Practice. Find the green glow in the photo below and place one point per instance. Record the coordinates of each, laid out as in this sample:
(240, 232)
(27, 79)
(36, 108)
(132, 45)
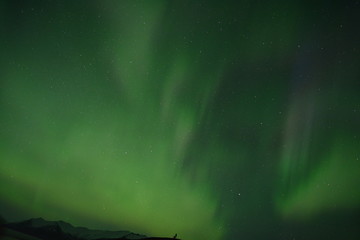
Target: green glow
(115, 162)
(209, 119)
(332, 187)
(329, 186)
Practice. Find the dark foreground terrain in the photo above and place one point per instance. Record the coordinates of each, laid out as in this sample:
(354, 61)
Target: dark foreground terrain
(40, 229)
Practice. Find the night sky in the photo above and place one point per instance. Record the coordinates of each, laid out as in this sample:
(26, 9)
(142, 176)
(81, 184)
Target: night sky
(210, 119)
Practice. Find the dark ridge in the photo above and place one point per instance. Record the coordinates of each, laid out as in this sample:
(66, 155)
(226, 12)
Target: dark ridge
(60, 230)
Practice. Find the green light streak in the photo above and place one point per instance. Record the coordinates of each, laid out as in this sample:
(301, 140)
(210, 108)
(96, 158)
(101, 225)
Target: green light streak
(332, 187)
(119, 162)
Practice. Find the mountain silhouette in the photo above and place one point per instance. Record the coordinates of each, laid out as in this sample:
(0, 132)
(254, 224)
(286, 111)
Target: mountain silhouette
(60, 230)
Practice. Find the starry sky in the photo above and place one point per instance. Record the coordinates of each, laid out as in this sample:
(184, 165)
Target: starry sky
(209, 119)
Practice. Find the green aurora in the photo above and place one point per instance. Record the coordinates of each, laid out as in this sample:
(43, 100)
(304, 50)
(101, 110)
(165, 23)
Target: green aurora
(210, 119)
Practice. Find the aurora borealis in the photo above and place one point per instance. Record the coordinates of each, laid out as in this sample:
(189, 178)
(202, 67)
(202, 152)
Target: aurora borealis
(209, 119)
